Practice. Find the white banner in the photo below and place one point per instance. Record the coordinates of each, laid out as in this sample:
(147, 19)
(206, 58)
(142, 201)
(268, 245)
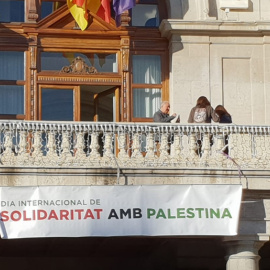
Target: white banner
(76, 211)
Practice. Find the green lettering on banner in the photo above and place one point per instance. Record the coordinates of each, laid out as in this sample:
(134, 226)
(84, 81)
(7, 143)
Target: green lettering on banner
(190, 213)
(170, 216)
(150, 212)
(199, 210)
(180, 212)
(213, 213)
(226, 213)
(160, 213)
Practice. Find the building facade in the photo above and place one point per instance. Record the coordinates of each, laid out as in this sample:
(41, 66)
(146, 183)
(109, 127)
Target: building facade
(77, 107)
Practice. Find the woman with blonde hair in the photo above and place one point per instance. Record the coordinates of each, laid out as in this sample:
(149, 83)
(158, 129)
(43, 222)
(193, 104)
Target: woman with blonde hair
(202, 112)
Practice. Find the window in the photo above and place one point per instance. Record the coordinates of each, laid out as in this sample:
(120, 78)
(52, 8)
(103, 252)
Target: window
(146, 14)
(12, 83)
(101, 61)
(57, 104)
(48, 7)
(11, 11)
(147, 87)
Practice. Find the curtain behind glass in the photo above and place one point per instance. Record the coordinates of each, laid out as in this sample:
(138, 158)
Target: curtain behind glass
(145, 102)
(11, 65)
(11, 99)
(11, 69)
(11, 11)
(146, 70)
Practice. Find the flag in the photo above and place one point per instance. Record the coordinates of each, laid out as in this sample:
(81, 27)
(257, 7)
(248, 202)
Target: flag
(106, 5)
(78, 10)
(101, 8)
(120, 6)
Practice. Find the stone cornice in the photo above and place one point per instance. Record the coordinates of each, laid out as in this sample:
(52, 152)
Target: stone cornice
(170, 27)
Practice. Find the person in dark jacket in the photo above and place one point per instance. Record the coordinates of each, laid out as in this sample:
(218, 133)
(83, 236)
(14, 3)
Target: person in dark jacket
(224, 116)
(162, 115)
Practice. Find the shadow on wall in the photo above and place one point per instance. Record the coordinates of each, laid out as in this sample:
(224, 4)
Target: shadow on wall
(250, 6)
(264, 253)
(184, 8)
(253, 214)
(213, 9)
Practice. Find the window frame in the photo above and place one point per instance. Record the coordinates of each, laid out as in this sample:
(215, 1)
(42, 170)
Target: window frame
(17, 83)
(76, 99)
(163, 85)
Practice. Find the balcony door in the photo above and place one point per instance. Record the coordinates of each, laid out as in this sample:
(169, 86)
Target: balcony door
(79, 103)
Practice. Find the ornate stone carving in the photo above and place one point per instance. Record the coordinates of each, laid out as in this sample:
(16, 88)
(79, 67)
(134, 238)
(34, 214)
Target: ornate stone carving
(78, 66)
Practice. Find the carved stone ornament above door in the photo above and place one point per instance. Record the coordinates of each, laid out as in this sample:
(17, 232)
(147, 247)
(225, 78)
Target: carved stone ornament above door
(78, 66)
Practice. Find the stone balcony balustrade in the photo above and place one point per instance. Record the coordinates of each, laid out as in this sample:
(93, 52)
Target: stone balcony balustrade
(133, 145)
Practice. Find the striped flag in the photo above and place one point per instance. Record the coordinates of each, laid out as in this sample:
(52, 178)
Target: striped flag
(79, 10)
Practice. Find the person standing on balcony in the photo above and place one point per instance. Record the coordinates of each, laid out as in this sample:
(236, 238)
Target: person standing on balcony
(162, 115)
(224, 116)
(203, 112)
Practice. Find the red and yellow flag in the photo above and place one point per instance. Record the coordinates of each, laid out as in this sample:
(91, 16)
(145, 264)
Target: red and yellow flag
(100, 7)
(79, 10)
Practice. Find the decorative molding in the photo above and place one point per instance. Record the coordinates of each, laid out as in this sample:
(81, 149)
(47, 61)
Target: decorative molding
(53, 79)
(78, 66)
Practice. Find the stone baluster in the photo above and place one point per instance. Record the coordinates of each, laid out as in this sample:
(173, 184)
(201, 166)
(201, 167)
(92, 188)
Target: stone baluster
(94, 147)
(79, 154)
(150, 149)
(8, 155)
(122, 155)
(177, 156)
(51, 157)
(23, 153)
(164, 149)
(136, 155)
(193, 157)
(218, 156)
(65, 154)
(108, 155)
(37, 153)
(204, 161)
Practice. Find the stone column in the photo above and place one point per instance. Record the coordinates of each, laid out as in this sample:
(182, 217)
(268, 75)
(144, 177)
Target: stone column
(243, 255)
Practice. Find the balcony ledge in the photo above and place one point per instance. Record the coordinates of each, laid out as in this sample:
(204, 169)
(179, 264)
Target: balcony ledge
(133, 153)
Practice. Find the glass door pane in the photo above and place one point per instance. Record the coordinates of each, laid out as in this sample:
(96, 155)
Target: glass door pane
(57, 104)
